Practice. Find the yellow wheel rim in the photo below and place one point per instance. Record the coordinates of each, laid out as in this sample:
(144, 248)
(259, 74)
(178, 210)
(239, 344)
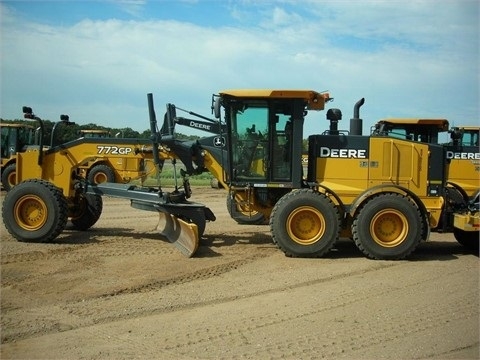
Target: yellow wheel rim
(12, 179)
(389, 228)
(30, 212)
(245, 209)
(100, 178)
(305, 225)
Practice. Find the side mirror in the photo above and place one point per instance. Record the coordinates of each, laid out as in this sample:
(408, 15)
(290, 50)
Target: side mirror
(216, 108)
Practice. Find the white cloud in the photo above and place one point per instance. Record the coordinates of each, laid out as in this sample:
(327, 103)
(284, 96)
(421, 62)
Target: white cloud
(406, 59)
(131, 7)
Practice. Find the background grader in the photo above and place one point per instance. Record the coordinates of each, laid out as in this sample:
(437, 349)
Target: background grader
(463, 151)
(386, 194)
(14, 139)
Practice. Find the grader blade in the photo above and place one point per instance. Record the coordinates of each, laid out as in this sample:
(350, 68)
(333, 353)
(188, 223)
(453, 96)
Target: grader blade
(183, 235)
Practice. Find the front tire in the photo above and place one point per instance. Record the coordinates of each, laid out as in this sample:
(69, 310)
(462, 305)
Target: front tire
(87, 211)
(242, 214)
(35, 211)
(388, 227)
(305, 223)
(9, 176)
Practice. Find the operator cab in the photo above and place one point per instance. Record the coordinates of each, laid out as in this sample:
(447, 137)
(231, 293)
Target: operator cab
(423, 130)
(15, 138)
(264, 135)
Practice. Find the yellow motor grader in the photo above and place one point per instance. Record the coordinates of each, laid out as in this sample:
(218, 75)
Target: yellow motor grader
(15, 137)
(386, 194)
(463, 151)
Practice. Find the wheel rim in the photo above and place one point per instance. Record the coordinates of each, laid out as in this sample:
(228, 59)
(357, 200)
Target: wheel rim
(305, 225)
(245, 209)
(389, 228)
(100, 177)
(30, 212)
(12, 178)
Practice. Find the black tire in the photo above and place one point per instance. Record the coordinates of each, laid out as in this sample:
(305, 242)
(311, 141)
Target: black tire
(87, 212)
(305, 223)
(242, 215)
(35, 211)
(469, 239)
(388, 227)
(9, 176)
(101, 173)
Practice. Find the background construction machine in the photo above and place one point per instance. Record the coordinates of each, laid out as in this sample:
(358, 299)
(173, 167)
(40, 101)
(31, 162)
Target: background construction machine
(463, 151)
(15, 138)
(386, 194)
(106, 166)
(94, 133)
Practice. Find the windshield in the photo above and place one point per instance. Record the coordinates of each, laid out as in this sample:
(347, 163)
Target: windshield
(261, 141)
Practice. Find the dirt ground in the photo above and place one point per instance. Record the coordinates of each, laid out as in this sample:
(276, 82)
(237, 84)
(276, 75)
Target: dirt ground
(120, 291)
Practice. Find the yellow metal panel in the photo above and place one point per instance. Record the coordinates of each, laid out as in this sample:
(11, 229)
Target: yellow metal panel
(399, 162)
(27, 167)
(467, 222)
(346, 177)
(465, 173)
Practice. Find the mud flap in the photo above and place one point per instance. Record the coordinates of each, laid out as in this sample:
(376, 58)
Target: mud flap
(183, 235)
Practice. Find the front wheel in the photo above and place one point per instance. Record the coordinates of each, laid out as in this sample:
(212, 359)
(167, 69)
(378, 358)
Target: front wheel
(35, 211)
(242, 213)
(388, 227)
(305, 223)
(9, 176)
(87, 212)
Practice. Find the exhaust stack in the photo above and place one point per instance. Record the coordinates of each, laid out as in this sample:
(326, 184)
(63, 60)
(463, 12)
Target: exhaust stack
(356, 123)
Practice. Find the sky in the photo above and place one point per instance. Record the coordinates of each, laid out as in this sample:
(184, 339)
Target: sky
(97, 60)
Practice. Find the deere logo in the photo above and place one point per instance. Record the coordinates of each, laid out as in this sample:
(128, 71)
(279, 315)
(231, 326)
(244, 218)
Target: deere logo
(463, 155)
(343, 153)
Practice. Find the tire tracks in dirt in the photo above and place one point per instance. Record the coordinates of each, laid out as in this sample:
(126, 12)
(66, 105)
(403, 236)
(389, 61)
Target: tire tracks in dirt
(129, 303)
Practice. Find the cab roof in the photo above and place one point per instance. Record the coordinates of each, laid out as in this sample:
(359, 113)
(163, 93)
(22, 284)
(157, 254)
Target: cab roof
(468, 128)
(441, 124)
(315, 100)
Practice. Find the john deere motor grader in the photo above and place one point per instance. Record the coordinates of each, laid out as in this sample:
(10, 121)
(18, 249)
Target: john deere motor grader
(386, 194)
(51, 190)
(462, 152)
(106, 168)
(15, 138)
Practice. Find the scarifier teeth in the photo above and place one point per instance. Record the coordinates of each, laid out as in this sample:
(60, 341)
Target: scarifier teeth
(183, 235)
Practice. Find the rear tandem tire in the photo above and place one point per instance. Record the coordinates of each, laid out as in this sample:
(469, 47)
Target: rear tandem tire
(468, 239)
(305, 223)
(388, 227)
(101, 173)
(35, 211)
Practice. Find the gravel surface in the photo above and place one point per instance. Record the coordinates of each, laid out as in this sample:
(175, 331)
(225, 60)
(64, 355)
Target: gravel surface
(120, 291)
